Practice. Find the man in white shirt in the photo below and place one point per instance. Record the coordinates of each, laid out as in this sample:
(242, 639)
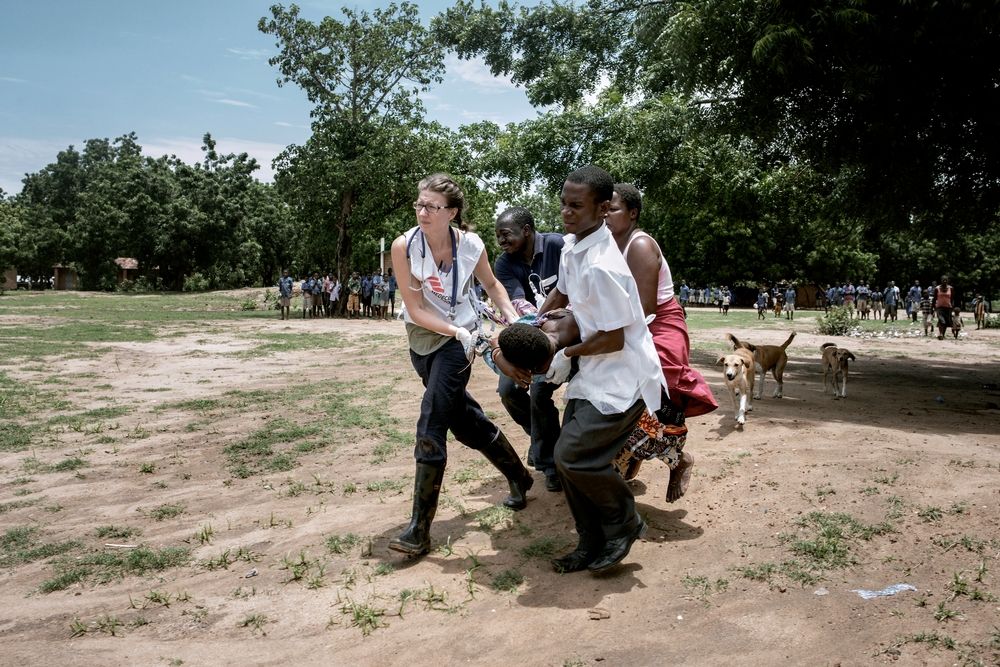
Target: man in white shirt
(619, 376)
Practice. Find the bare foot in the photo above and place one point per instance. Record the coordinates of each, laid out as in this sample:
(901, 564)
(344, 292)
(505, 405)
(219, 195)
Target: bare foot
(680, 477)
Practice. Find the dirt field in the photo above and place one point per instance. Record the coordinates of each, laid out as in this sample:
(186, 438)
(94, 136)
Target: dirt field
(256, 469)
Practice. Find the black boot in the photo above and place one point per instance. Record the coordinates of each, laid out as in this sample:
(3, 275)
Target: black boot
(416, 539)
(505, 459)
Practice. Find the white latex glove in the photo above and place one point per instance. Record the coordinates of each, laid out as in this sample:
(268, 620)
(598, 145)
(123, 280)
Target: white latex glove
(559, 368)
(463, 336)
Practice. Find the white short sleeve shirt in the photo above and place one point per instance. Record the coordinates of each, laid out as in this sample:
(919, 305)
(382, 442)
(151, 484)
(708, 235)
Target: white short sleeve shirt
(594, 276)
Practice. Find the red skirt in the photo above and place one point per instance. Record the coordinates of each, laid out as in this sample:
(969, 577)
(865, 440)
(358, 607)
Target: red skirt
(670, 336)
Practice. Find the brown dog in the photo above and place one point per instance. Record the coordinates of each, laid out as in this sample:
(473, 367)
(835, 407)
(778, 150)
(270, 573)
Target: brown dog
(738, 370)
(767, 358)
(835, 363)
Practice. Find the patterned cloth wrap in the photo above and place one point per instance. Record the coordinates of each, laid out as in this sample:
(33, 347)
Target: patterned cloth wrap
(651, 439)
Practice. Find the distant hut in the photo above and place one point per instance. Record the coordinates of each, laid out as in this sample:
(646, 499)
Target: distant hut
(128, 269)
(65, 277)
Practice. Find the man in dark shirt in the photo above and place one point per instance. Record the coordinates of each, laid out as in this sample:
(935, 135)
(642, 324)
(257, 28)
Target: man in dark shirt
(528, 269)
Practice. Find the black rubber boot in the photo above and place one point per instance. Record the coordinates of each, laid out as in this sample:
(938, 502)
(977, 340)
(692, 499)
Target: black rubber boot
(502, 455)
(416, 539)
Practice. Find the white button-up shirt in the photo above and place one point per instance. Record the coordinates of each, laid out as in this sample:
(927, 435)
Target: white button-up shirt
(594, 276)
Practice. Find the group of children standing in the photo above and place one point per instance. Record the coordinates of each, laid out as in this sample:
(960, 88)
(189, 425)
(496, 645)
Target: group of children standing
(372, 295)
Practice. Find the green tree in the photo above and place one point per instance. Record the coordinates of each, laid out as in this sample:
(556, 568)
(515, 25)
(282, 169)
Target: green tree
(369, 140)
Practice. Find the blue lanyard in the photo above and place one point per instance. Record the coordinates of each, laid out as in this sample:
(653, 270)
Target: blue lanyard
(454, 264)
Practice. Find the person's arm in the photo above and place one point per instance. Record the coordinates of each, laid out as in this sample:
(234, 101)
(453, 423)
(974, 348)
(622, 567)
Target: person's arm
(493, 287)
(554, 301)
(601, 342)
(413, 298)
(644, 262)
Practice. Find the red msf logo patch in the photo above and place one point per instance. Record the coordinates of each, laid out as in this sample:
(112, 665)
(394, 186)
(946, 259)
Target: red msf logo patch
(435, 284)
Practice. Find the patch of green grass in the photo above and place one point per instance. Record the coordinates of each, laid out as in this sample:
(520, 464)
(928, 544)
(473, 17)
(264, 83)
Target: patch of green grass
(507, 581)
(166, 511)
(15, 437)
(293, 342)
(104, 566)
(68, 465)
(930, 514)
(255, 622)
(116, 532)
(21, 545)
(758, 571)
(257, 453)
(830, 547)
(17, 504)
(543, 547)
(341, 544)
(382, 486)
(495, 518)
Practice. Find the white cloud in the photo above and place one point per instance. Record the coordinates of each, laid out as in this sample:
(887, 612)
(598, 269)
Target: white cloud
(249, 54)
(476, 73)
(236, 103)
(20, 156)
(281, 123)
(12, 79)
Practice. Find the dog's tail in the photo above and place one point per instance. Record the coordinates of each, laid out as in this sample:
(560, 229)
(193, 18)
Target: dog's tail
(787, 342)
(734, 340)
(826, 345)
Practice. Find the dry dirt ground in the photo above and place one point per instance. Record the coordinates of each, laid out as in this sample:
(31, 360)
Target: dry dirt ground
(294, 466)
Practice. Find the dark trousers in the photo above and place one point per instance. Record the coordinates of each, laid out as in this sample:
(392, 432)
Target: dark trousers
(447, 405)
(534, 411)
(602, 504)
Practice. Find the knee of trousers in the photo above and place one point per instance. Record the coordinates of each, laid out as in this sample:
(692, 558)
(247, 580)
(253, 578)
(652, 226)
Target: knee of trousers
(430, 452)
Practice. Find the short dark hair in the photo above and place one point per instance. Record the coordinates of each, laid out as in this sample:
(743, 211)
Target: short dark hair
(516, 215)
(598, 180)
(525, 346)
(631, 197)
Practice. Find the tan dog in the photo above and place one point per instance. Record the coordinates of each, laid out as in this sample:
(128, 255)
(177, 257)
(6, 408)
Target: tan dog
(767, 358)
(738, 370)
(835, 362)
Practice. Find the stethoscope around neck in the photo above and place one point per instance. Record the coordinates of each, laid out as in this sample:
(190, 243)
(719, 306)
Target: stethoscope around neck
(454, 263)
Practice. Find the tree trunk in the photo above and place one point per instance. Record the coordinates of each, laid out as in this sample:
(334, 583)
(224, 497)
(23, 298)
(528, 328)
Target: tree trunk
(347, 199)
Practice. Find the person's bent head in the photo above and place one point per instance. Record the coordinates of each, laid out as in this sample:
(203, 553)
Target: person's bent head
(450, 201)
(526, 347)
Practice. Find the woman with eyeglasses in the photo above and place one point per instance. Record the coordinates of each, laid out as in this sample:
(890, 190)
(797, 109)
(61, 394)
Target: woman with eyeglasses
(435, 263)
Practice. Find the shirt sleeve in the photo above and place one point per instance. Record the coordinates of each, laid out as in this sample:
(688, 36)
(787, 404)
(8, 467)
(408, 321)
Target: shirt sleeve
(611, 307)
(505, 274)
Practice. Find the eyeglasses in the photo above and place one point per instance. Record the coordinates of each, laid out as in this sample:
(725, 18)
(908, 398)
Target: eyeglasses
(430, 208)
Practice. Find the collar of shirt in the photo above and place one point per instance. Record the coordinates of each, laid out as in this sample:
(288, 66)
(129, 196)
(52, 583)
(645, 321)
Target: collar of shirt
(597, 236)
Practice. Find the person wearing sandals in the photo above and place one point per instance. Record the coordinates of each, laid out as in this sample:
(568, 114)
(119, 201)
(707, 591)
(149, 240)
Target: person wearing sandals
(690, 395)
(435, 264)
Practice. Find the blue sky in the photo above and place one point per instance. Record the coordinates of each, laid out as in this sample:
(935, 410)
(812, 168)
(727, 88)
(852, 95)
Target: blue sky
(172, 70)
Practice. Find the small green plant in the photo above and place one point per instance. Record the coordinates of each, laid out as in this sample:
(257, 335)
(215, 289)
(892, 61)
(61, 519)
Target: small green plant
(255, 622)
(204, 535)
(147, 468)
(942, 613)
(341, 544)
(117, 532)
(758, 572)
(363, 616)
(507, 581)
(543, 547)
(161, 598)
(166, 511)
(930, 514)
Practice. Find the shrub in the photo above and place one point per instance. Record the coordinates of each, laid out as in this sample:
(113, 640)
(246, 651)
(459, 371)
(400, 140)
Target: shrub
(249, 304)
(837, 322)
(196, 283)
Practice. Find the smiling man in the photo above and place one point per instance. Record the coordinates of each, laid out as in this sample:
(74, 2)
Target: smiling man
(528, 269)
(619, 376)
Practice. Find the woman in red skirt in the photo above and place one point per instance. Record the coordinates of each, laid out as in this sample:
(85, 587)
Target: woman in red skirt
(690, 395)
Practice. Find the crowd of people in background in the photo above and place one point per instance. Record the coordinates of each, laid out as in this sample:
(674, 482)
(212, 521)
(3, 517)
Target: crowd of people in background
(370, 295)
